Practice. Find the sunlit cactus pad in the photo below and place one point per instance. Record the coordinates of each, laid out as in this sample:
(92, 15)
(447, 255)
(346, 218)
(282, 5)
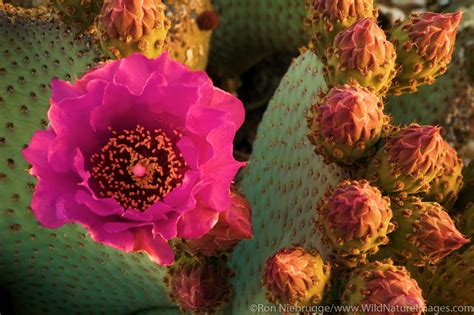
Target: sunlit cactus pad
(284, 180)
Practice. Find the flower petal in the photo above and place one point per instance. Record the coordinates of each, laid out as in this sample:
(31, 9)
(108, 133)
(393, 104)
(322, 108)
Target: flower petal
(155, 246)
(221, 168)
(197, 222)
(102, 207)
(233, 106)
(128, 68)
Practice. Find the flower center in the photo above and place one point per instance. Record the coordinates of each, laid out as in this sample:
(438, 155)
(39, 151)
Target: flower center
(137, 167)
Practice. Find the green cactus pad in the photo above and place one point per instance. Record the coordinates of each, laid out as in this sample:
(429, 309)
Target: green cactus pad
(283, 182)
(80, 13)
(467, 221)
(252, 29)
(58, 271)
(453, 283)
(465, 195)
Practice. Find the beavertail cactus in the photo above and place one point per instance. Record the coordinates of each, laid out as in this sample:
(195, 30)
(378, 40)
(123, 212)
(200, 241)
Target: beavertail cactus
(409, 160)
(284, 180)
(465, 195)
(78, 12)
(326, 18)
(355, 219)
(425, 233)
(347, 123)
(362, 53)
(467, 226)
(251, 30)
(444, 188)
(200, 285)
(296, 276)
(128, 26)
(453, 283)
(383, 288)
(232, 226)
(189, 36)
(425, 44)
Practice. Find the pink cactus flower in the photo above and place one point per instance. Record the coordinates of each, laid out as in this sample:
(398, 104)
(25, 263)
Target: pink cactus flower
(138, 151)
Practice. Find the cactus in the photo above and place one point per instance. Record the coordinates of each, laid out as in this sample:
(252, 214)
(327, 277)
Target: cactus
(251, 30)
(355, 219)
(453, 283)
(347, 123)
(53, 271)
(188, 40)
(409, 160)
(275, 170)
(465, 195)
(425, 233)
(133, 26)
(325, 19)
(362, 53)
(467, 220)
(297, 277)
(424, 43)
(201, 286)
(382, 287)
(444, 188)
(80, 13)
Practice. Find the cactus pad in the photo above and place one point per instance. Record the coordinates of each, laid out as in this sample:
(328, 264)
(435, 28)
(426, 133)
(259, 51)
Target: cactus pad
(283, 188)
(252, 29)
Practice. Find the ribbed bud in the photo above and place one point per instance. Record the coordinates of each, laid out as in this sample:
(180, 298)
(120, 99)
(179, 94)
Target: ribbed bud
(326, 18)
(347, 123)
(445, 187)
(355, 217)
(296, 276)
(232, 226)
(200, 286)
(410, 159)
(129, 26)
(362, 53)
(381, 286)
(425, 44)
(425, 233)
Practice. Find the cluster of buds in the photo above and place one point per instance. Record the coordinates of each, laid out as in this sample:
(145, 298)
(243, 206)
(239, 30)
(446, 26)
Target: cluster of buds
(410, 170)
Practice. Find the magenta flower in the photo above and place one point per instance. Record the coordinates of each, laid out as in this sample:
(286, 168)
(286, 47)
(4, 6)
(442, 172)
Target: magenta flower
(138, 151)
